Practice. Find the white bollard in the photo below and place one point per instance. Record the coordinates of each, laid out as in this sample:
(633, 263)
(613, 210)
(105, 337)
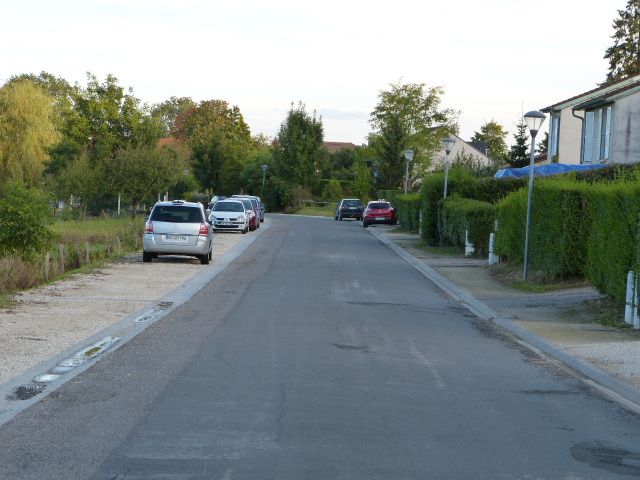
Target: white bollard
(636, 318)
(420, 223)
(493, 258)
(468, 247)
(628, 307)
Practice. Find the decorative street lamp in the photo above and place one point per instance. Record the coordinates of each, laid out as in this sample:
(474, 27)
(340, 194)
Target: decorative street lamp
(408, 156)
(264, 174)
(534, 120)
(447, 144)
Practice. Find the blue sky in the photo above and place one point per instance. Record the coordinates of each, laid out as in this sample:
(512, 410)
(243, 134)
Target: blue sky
(493, 58)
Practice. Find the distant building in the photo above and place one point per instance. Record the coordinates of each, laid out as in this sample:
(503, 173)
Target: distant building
(333, 147)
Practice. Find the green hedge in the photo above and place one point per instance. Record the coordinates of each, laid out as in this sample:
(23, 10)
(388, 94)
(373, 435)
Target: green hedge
(613, 244)
(460, 214)
(560, 226)
(408, 210)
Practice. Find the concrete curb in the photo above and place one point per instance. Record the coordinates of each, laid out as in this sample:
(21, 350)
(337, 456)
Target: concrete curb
(617, 390)
(119, 333)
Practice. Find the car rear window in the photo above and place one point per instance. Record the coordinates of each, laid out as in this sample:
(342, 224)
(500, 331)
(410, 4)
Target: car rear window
(247, 203)
(351, 203)
(228, 207)
(378, 205)
(176, 214)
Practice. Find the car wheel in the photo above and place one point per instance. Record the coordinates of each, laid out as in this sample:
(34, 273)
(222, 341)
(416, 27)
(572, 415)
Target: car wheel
(340, 218)
(146, 257)
(210, 254)
(204, 259)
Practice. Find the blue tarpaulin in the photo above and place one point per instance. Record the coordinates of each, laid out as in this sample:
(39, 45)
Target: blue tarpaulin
(545, 170)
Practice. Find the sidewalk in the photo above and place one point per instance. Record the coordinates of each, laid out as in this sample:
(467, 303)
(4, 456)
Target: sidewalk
(560, 318)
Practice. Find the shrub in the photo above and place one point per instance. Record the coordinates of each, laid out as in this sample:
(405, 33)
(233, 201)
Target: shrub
(333, 191)
(560, 226)
(612, 246)
(408, 210)
(24, 216)
(463, 214)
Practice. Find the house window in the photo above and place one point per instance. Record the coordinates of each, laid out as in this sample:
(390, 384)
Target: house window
(554, 135)
(597, 135)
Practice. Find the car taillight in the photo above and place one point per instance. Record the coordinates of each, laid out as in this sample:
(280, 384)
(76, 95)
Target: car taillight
(204, 230)
(149, 227)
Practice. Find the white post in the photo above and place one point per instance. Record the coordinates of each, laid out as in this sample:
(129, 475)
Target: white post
(420, 223)
(468, 247)
(628, 307)
(119, 195)
(166, 196)
(493, 258)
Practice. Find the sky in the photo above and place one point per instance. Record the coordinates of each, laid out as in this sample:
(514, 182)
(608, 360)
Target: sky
(493, 58)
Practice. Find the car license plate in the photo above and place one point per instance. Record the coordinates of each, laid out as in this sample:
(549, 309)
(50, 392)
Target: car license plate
(352, 208)
(181, 238)
(226, 223)
(380, 218)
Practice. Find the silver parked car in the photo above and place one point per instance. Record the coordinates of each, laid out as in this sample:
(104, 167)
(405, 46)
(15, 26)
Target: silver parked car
(178, 228)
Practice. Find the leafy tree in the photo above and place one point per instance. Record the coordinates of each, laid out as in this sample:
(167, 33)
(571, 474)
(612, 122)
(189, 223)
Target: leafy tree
(405, 117)
(519, 152)
(251, 175)
(141, 172)
(341, 163)
(169, 110)
(219, 140)
(624, 54)
(363, 181)
(543, 145)
(494, 135)
(389, 145)
(104, 120)
(298, 147)
(26, 131)
(24, 216)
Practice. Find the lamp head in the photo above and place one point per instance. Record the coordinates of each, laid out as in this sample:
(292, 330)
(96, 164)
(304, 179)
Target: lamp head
(408, 155)
(264, 168)
(448, 144)
(534, 120)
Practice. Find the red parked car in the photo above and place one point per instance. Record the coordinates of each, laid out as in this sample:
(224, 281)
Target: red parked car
(254, 223)
(379, 211)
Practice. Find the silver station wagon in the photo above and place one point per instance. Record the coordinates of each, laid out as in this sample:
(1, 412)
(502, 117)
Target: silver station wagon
(178, 228)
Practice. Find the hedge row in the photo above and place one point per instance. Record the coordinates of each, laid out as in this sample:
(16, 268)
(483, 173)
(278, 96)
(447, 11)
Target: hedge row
(578, 228)
(408, 210)
(464, 214)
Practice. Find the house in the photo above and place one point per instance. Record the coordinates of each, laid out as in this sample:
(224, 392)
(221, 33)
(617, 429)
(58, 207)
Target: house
(333, 147)
(478, 151)
(598, 126)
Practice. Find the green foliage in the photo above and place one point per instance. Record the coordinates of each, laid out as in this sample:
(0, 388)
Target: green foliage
(464, 214)
(560, 227)
(404, 118)
(298, 147)
(613, 244)
(519, 152)
(24, 217)
(334, 190)
(408, 210)
(624, 54)
(27, 130)
(167, 112)
(363, 182)
(251, 175)
(494, 135)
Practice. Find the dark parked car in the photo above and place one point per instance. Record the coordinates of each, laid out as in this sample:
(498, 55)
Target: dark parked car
(379, 211)
(349, 208)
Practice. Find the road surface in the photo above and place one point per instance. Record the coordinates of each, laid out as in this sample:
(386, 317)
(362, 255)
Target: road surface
(320, 354)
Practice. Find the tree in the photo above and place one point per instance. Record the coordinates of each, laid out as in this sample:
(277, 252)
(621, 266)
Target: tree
(494, 135)
(26, 131)
(141, 172)
(363, 181)
(220, 141)
(624, 54)
(519, 152)
(169, 110)
(543, 145)
(298, 147)
(405, 117)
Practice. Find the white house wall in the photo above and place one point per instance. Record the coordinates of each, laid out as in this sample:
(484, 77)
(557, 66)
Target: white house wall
(570, 137)
(626, 128)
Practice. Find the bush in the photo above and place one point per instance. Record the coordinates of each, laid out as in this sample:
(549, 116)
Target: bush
(24, 216)
(560, 227)
(408, 210)
(463, 214)
(612, 247)
(333, 191)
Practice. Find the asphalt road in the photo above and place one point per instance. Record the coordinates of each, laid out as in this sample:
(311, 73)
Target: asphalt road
(320, 354)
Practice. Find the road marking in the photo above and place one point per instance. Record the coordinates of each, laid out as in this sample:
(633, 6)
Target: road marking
(426, 361)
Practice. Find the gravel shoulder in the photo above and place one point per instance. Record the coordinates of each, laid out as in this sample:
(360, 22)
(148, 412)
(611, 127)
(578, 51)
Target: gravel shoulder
(47, 320)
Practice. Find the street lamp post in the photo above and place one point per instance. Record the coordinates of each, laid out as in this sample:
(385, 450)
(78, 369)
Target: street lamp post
(264, 174)
(534, 120)
(447, 144)
(408, 156)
